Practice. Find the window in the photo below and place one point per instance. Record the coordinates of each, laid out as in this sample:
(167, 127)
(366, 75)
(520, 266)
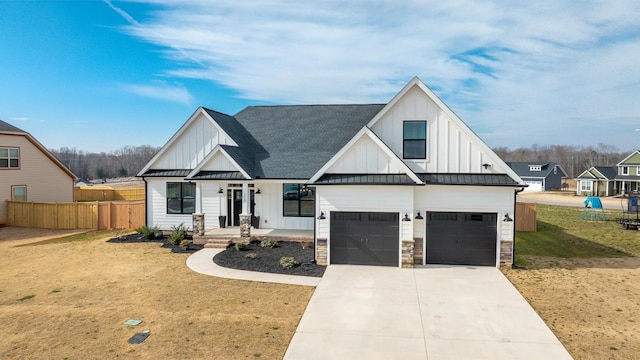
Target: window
(625, 170)
(298, 200)
(535, 168)
(181, 198)
(585, 186)
(414, 145)
(9, 158)
(19, 193)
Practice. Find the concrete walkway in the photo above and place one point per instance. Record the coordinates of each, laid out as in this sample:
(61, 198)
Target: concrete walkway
(432, 312)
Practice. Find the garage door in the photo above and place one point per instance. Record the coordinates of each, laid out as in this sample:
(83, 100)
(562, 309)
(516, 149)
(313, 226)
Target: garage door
(364, 238)
(461, 238)
(533, 186)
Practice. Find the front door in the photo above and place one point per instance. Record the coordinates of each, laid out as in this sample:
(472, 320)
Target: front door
(234, 206)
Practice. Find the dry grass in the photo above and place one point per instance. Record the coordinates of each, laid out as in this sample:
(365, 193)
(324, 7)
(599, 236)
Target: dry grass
(69, 299)
(583, 279)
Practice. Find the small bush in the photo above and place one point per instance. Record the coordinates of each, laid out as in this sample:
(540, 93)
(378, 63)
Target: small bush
(185, 244)
(288, 262)
(148, 233)
(268, 243)
(240, 246)
(178, 233)
(251, 256)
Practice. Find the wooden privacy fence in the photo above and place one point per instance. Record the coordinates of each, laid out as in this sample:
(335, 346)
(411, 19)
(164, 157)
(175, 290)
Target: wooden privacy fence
(526, 216)
(87, 215)
(84, 194)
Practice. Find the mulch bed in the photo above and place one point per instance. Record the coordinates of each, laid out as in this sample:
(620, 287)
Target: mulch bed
(137, 238)
(268, 259)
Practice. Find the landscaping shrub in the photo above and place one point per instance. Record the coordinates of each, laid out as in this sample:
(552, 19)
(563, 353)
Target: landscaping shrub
(148, 233)
(251, 256)
(178, 233)
(268, 243)
(185, 243)
(288, 262)
(240, 246)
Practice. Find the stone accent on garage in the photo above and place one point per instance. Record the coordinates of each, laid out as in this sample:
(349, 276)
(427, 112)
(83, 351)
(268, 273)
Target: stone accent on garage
(407, 253)
(418, 251)
(506, 253)
(321, 251)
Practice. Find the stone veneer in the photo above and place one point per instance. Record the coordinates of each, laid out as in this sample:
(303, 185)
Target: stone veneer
(321, 252)
(506, 253)
(418, 251)
(245, 227)
(407, 253)
(198, 224)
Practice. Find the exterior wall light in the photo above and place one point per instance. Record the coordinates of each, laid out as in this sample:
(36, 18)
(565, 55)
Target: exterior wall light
(258, 192)
(406, 217)
(419, 217)
(507, 218)
(221, 191)
(321, 217)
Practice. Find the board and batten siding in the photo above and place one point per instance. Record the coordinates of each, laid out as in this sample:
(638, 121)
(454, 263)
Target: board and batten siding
(193, 145)
(212, 203)
(364, 157)
(365, 199)
(269, 206)
(451, 148)
(45, 180)
(157, 206)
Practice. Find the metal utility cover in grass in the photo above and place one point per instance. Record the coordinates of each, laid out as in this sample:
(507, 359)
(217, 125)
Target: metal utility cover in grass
(132, 322)
(139, 337)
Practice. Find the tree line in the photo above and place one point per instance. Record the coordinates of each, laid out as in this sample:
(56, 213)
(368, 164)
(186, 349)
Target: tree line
(129, 160)
(573, 159)
(124, 162)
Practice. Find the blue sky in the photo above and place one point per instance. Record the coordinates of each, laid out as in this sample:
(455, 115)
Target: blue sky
(100, 75)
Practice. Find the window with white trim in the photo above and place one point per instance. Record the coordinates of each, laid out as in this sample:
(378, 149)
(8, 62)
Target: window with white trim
(586, 186)
(19, 193)
(625, 170)
(414, 140)
(9, 158)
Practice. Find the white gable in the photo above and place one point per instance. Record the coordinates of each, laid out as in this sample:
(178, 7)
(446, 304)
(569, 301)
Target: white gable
(218, 160)
(365, 157)
(191, 144)
(451, 146)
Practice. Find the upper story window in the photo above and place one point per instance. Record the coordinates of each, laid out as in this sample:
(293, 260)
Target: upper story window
(414, 145)
(298, 200)
(535, 168)
(181, 198)
(9, 158)
(625, 170)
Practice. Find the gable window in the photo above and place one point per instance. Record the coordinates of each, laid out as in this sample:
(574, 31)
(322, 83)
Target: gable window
(625, 170)
(9, 158)
(414, 144)
(535, 168)
(181, 198)
(19, 193)
(298, 200)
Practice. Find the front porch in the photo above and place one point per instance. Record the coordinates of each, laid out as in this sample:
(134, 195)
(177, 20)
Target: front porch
(225, 236)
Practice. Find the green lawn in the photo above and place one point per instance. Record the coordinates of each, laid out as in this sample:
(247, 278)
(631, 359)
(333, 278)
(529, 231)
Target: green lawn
(561, 233)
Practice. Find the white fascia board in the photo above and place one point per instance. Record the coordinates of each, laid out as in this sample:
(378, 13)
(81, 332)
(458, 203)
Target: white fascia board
(217, 149)
(179, 133)
(621, 163)
(461, 124)
(365, 131)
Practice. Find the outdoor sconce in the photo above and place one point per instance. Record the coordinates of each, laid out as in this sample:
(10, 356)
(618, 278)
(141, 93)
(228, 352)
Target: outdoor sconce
(486, 166)
(406, 217)
(419, 217)
(258, 192)
(321, 217)
(507, 218)
(220, 191)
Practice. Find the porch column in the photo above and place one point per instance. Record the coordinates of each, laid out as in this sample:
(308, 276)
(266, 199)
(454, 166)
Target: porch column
(198, 198)
(245, 216)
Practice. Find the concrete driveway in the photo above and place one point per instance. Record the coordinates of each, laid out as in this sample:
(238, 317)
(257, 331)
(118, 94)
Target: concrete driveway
(432, 312)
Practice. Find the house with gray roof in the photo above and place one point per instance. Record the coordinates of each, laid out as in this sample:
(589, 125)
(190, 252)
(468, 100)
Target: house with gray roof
(395, 184)
(29, 172)
(539, 175)
(622, 178)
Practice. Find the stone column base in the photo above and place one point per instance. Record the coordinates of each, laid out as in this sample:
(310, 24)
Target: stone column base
(321, 252)
(245, 227)
(407, 253)
(506, 253)
(198, 224)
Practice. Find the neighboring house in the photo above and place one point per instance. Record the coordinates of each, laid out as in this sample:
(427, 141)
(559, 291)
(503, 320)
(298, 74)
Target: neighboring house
(597, 181)
(379, 184)
(540, 176)
(29, 172)
(608, 181)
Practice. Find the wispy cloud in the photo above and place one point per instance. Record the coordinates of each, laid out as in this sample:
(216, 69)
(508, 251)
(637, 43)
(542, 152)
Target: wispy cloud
(506, 67)
(161, 91)
(19, 118)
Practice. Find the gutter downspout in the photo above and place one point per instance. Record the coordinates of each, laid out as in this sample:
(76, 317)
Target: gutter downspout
(146, 222)
(513, 261)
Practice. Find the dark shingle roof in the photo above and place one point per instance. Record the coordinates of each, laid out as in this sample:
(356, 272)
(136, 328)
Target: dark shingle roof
(297, 140)
(467, 179)
(365, 179)
(608, 172)
(6, 127)
(523, 168)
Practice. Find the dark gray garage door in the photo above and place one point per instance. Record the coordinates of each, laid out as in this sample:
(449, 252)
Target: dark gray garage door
(364, 238)
(461, 238)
